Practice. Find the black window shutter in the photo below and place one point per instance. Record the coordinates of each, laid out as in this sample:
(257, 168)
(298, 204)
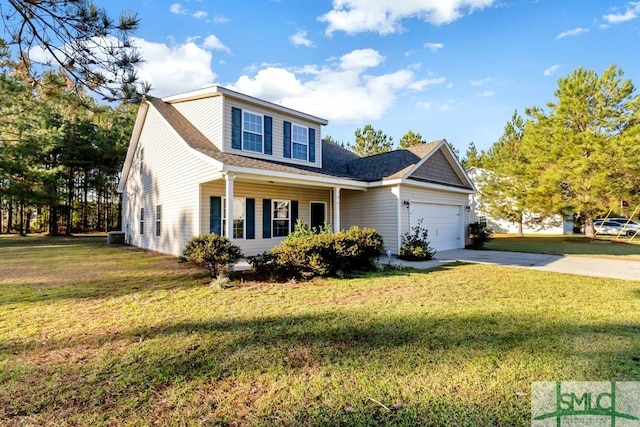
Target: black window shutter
(294, 214)
(312, 145)
(215, 215)
(287, 140)
(251, 218)
(266, 218)
(268, 135)
(236, 128)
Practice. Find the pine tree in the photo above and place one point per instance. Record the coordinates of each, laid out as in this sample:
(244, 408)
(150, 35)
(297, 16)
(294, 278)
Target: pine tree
(410, 139)
(472, 159)
(370, 141)
(95, 50)
(584, 149)
(504, 190)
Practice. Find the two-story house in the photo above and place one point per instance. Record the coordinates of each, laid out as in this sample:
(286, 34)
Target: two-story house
(215, 160)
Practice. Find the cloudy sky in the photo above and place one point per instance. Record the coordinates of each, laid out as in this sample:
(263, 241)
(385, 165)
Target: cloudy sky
(454, 69)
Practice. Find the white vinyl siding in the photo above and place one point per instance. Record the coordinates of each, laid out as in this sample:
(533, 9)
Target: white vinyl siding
(377, 208)
(171, 176)
(206, 115)
(277, 133)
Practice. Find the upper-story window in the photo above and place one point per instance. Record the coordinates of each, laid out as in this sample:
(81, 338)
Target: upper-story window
(299, 142)
(252, 132)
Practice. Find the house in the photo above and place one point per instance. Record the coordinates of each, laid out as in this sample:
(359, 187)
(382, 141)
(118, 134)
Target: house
(532, 223)
(215, 160)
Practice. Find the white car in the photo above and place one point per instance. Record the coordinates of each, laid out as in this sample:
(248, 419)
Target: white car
(615, 226)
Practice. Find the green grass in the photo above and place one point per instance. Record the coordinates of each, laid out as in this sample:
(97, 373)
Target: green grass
(603, 247)
(97, 335)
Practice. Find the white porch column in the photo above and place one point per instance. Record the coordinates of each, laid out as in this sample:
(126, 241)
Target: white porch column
(336, 209)
(228, 179)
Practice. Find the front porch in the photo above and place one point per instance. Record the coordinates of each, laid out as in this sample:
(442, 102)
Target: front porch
(258, 212)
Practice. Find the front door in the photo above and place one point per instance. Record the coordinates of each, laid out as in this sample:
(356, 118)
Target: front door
(318, 214)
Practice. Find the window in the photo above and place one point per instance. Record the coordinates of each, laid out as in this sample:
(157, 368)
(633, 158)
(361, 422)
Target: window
(299, 142)
(281, 218)
(158, 218)
(141, 220)
(252, 132)
(238, 217)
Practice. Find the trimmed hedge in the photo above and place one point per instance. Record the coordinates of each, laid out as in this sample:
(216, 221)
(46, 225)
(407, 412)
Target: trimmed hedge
(308, 253)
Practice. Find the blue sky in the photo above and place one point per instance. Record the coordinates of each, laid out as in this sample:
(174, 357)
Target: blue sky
(454, 69)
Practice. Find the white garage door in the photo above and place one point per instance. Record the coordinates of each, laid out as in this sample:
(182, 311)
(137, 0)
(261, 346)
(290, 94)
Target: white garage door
(444, 223)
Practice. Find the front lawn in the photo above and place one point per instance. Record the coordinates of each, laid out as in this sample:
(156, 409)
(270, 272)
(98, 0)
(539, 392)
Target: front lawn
(602, 247)
(97, 335)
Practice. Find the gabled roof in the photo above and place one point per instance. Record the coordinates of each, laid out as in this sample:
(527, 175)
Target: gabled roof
(337, 162)
(392, 165)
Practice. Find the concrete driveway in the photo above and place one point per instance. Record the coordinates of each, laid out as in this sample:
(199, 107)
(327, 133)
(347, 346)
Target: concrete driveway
(596, 267)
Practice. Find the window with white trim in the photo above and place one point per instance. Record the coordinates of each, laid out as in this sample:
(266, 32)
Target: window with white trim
(299, 142)
(281, 217)
(252, 132)
(239, 215)
(158, 219)
(141, 220)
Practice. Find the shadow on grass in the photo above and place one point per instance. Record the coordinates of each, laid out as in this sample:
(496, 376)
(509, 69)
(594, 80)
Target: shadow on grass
(349, 344)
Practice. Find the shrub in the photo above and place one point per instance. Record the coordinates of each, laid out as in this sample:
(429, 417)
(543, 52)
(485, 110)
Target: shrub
(212, 251)
(307, 253)
(479, 235)
(415, 246)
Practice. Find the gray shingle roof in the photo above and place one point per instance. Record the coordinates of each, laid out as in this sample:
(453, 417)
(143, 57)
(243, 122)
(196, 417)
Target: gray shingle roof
(337, 161)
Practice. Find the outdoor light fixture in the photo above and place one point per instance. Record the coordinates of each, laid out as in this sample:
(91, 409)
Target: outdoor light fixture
(406, 203)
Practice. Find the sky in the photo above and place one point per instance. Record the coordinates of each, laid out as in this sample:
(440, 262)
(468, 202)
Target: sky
(453, 69)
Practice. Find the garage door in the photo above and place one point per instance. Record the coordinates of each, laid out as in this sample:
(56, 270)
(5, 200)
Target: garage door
(444, 223)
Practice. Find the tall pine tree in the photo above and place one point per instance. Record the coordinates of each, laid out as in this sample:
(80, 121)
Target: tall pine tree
(583, 149)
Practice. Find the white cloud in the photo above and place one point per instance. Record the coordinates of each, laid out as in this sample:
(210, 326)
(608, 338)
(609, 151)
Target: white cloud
(433, 47)
(345, 91)
(481, 82)
(300, 39)
(423, 104)
(421, 84)
(486, 93)
(632, 12)
(218, 20)
(385, 16)
(552, 69)
(447, 106)
(570, 33)
(212, 42)
(175, 69)
(177, 9)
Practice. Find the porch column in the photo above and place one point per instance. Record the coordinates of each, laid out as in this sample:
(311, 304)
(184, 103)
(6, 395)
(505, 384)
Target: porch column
(228, 179)
(336, 209)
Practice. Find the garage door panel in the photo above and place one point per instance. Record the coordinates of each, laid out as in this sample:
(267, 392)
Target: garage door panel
(444, 223)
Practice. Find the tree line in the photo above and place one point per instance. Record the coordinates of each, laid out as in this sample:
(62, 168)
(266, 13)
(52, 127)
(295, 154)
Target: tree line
(580, 155)
(60, 153)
